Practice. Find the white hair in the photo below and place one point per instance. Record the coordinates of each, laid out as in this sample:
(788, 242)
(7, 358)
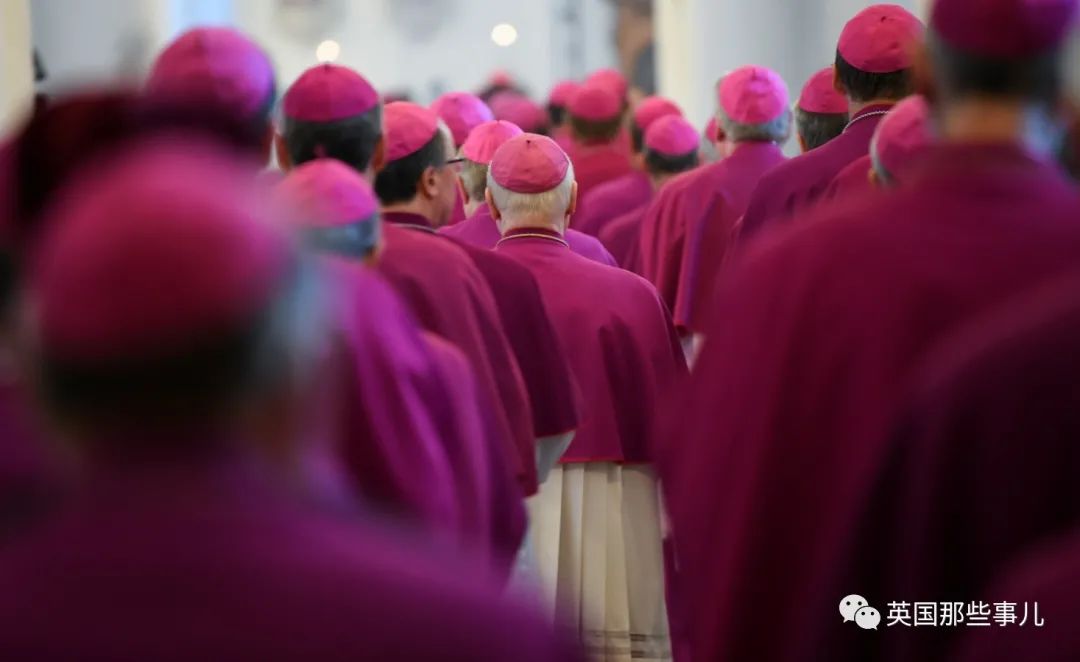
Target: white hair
(1072, 67)
(549, 204)
(473, 177)
(776, 131)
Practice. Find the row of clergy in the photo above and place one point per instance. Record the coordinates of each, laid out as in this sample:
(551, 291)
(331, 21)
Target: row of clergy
(416, 394)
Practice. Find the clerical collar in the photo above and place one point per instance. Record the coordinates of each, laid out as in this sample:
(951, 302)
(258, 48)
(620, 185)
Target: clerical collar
(404, 219)
(876, 110)
(533, 233)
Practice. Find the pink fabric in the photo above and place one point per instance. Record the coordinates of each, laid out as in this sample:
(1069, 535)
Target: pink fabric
(1003, 28)
(330, 192)
(328, 93)
(595, 164)
(450, 297)
(462, 112)
(618, 339)
(653, 108)
(611, 79)
(814, 336)
(481, 230)
(689, 228)
(622, 237)
(196, 544)
(529, 163)
(881, 39)
(901, 135)
(519, 109)
(142, 257)
(406, 128)
(852, 181)
(795, 186)
(561, 93)
(610, 199)
(595, 103)
(753, 95)
(216, 64)
(820, 95)
(672, 136)
(487, 138)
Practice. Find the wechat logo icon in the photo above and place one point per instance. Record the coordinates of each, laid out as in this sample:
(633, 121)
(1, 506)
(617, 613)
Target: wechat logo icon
(856, 608)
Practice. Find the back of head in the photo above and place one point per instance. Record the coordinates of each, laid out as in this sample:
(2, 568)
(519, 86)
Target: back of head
(648, 111)
(899, 138)
(478, 151)
(753, 104)
(999, 49)
(331, 111)
(157, 300)
(519, 109)
(822, 111)
(558, 100)
(596, 113)
(875, 54)
(671, 146)
(462, 112)
(336, 209)
(531, 181)
(414, 144)
(216, 66)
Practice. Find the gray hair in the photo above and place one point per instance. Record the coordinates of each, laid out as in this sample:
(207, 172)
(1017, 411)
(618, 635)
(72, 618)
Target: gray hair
(474, 178)
(776, 131)
(549, 203)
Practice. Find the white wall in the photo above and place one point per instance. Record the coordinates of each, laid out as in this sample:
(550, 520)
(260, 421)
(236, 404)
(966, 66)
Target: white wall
(87, 41)
(699, 40)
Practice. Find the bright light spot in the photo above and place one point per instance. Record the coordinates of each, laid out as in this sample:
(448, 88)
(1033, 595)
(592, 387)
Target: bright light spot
(504, 34)
(328, 51)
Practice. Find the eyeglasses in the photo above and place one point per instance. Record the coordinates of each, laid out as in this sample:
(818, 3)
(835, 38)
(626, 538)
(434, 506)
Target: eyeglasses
(455, 164)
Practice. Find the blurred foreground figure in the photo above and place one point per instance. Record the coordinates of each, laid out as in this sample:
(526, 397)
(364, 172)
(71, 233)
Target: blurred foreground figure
(873, 69)
(176, 338)
(596, 520)
(633, 189)
(815, 334)
(480, 229)
(899, 138)
(670, 146)
(690, 226)
(436, 457)
(983, 467)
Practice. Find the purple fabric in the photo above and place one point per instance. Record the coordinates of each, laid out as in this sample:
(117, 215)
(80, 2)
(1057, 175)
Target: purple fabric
(619, 340)
(481, 230)
(795, 186)
(30, 478)
(853, 180)
(450, 297)
(553, 395)
(622, 237)
(814, 336)
(688, 229)
(193, 562)
(611, 199)
(595, 164)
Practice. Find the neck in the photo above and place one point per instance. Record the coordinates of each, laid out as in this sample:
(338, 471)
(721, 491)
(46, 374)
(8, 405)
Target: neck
(855, 107)
(532, 221)
(415, 206)
(985, 121)
(658, 179)
(471, 207)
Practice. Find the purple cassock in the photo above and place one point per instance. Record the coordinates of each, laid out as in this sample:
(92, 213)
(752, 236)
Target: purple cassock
(492, 511)
(853, 180)
(553, 394)
(618, 338)
(596, 163)
(1048, 577)
(611, 199)
(982, 467)
(622, 238)
(450, 297)
(213, 560)
(797, 185)
(814, 337)
(688, 228)
(481, 230)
